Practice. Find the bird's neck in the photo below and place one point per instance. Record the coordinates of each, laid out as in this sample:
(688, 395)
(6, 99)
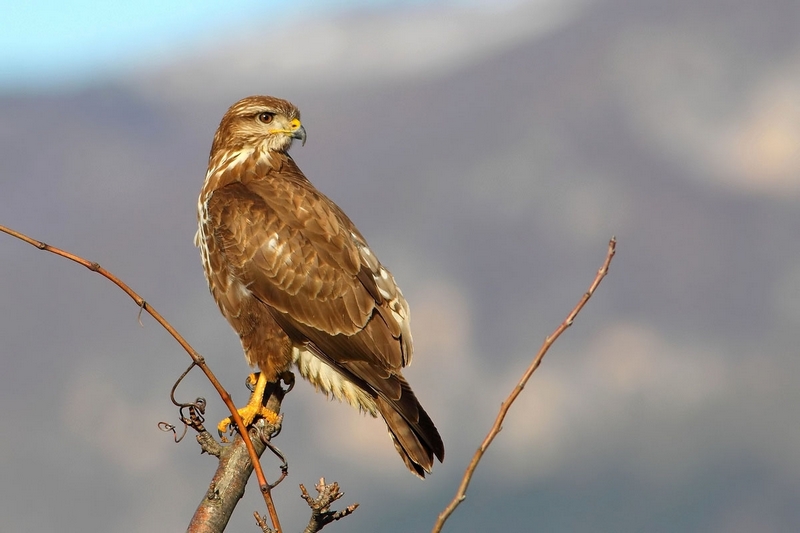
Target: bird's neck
(242, 165)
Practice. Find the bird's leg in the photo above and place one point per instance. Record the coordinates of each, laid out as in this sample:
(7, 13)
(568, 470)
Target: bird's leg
(254, 408)
(288, 378)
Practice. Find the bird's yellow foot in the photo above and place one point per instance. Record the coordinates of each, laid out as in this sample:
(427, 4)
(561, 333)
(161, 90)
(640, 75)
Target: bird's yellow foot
(254, 408)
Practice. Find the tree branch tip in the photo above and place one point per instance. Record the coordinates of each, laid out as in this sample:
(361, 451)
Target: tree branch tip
(321, 515)
(262, 523)
(516, 391)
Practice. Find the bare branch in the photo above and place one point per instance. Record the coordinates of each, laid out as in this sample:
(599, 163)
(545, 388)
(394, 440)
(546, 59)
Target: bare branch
(461, 494)
(321, 515)
(262, 523)
(234, 469)
(196, 357)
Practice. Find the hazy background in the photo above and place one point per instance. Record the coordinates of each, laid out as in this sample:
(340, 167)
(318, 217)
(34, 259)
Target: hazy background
(487, 151)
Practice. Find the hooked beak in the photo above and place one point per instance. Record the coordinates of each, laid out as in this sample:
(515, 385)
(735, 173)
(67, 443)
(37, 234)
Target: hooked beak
(300, 133)
(294, 131)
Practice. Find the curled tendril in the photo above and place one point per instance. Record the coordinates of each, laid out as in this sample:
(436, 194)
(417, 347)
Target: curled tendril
(284, 465)
(191, 413)
(166, 426)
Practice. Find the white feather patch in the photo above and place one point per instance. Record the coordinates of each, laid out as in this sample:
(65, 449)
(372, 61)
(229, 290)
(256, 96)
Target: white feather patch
(331, 382)
(233, 159)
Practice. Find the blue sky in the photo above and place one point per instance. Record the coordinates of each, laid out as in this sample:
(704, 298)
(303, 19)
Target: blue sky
(50, 42)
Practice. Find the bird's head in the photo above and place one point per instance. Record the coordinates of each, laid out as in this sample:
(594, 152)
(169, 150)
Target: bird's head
(261, 122)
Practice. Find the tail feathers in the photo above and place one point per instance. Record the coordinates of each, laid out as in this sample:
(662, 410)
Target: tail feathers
(414, 435)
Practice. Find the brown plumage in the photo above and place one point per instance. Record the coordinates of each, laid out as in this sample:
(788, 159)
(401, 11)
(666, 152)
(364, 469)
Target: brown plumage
(297, 281)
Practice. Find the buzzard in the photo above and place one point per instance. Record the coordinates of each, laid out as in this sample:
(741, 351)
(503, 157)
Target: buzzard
(299, 284)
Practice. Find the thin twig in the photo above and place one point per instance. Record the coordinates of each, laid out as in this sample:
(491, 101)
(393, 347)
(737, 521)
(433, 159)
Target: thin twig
(461, 494)
(196, 357)
(260, 522)
(321, 514)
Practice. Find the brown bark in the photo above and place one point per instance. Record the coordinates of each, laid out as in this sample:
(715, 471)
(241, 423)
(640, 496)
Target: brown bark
(234, 469)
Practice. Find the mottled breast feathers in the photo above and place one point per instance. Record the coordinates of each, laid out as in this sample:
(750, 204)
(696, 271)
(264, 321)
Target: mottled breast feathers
(298, 253)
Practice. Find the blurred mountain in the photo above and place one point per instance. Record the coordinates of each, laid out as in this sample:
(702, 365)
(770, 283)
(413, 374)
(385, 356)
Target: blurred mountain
(487, 154)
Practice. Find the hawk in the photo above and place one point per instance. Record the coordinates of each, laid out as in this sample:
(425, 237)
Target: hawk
(299, 284)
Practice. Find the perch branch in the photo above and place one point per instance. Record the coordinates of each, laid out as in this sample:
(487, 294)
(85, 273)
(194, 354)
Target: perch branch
(196, 357)
(461, 494)
(233, 470)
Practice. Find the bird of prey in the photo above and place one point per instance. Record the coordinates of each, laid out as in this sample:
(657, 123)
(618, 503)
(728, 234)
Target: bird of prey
(299, 284)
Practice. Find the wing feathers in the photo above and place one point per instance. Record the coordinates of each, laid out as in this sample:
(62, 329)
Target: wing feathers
(298, 254)
(415, 436)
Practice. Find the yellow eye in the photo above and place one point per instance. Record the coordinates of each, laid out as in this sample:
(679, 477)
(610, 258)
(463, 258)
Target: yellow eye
(265, 118)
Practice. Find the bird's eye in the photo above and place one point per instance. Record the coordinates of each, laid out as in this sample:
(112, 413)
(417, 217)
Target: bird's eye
(265, 118)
